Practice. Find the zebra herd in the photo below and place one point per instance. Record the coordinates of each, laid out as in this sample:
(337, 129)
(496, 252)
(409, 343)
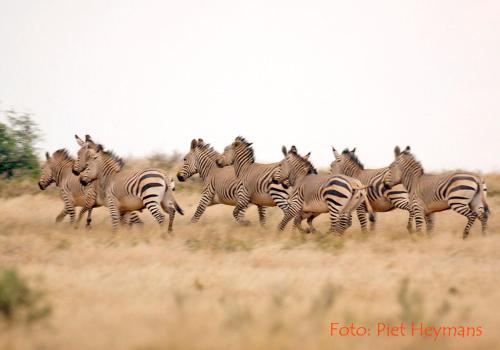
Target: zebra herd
(97, 178)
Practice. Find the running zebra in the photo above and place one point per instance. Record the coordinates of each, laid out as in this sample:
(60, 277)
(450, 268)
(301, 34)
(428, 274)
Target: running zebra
(85, 147)
(58, 169)
(463, 192)
(128, 190)
(220, 185)
(313, 194)
(382, 199)
(255, 179)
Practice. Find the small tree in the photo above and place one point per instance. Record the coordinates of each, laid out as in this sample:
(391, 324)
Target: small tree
(17, 145)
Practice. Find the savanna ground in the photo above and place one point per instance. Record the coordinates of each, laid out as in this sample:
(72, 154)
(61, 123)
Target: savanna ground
(216, 285)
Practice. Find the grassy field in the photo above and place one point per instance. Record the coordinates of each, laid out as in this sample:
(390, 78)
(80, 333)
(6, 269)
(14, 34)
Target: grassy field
(215, 285)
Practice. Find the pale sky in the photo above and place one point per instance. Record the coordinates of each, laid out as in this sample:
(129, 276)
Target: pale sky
(144, 76)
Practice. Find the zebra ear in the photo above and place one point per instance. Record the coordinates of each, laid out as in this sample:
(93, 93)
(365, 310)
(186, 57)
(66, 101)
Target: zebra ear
(397, 151)
(193, 144)
(284, 151)
(335, 153)
(306, 157)
(79, 141)
(47, 155)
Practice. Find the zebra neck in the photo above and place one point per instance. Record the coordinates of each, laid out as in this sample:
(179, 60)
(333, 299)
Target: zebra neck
(206, 168)
(243, 159)
(62, 171)
(105, 178)
(352, 171)
(240, 166)
(409, 180)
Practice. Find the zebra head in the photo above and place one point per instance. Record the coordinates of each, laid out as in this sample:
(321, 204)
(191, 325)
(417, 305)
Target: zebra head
(346, 163)
(47, 177)
(93, 163)
(83, 153)
(55, 168)
(227, 157)
(239, 151)
(394, 174)
(292, 167)
(189, 166)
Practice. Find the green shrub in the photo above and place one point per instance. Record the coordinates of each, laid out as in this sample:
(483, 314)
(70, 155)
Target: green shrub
(18, 301)
(17, 145)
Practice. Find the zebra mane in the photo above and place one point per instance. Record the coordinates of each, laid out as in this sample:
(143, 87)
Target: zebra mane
(306, 162)
(209, 151)
(63, 155)
(248, 146)
(353, 157)
(111, 155)
(414, 160)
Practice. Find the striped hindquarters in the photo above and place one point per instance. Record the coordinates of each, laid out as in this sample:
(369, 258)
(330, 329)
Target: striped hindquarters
(149, 185)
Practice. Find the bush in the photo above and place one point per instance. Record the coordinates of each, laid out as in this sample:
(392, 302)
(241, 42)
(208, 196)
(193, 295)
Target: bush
(18, 300)
(17, 145)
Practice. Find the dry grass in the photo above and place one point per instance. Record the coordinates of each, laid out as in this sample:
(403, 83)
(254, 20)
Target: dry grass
(218, 286)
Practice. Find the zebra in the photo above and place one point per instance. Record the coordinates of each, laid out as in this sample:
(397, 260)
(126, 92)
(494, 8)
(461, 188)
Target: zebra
(220, 184)
(82, 154)
(128, 190)
(93, 198)
(313, 194)
(58, 169)
(381, 198)
(255, 179)
(463, 192)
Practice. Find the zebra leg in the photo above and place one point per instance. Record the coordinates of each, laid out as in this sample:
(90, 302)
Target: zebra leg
(130, 218)
(171, 217)
(262, 215)
(61, 215)
(293, 209)
(361, 213)
(69, 207)
(89, 218)
(466, 211)
(310, 219)
(155, 210)
(373, 222)
(409, 225)
(484, 222)
(429, 221)
(80, 216)
(418, 214)
(241, 205)
(114, 212)
(207, 197)
(297, 223)
(334, 218)
(470, 221)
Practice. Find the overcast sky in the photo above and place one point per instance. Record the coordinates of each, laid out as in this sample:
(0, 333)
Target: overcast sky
(144, 76)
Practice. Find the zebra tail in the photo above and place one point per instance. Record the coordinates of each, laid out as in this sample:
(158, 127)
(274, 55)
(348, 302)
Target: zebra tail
(177, 207)
(484, 193)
